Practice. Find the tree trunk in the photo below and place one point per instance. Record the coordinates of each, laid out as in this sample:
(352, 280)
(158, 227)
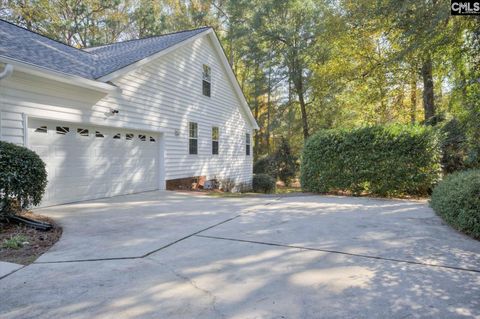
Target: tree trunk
(257, 135)
(413, 98)
(428, 96)
(303, 109)
(269, 96)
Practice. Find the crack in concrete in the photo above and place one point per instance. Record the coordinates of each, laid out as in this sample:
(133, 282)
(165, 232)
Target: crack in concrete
(340, 252)
(194, 284)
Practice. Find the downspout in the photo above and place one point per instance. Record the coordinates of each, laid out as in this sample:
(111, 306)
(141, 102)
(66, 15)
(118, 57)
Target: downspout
(7, 71)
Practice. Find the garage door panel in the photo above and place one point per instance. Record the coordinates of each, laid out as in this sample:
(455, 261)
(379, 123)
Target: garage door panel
(88, 167)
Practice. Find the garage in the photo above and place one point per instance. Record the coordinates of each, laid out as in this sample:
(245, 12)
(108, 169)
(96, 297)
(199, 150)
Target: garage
(87, 162)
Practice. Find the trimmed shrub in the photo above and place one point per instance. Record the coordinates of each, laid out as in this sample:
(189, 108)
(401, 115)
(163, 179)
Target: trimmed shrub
(23, 178)
(457, 200)
(263, 183)
(385, 161)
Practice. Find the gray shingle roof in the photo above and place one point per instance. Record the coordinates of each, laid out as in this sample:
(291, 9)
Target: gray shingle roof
(91, 63)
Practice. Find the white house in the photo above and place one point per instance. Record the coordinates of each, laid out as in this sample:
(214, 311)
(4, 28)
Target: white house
(125, 117)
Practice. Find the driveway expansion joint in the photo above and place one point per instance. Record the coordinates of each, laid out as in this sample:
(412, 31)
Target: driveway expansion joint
(412, 262)
(246, 211)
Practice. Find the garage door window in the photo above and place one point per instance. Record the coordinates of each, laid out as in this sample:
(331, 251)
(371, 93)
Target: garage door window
(99, 134)
(41, 129)
(82, 131)
(62, 130)
(117, 136)
(152, 139)
(142, 137)
(129, 137)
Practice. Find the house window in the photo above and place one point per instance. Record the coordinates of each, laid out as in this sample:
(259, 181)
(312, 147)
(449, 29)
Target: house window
(193, 138)
(215, 138)
(207, 80)
(247, 144)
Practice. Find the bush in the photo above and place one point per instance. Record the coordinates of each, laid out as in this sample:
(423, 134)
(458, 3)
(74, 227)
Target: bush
(227, 184)
(265, 165)
(457, 200)
(285, 162)
(453, 145)
(385, 161)
(263, 183)
(23, 178)
(282, 164)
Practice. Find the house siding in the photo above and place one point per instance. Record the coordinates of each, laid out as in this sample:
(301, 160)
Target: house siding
(161, 96)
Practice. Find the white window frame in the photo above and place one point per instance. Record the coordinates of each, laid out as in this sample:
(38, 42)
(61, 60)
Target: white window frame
(207, 77)
(194, 137)
(216, 140)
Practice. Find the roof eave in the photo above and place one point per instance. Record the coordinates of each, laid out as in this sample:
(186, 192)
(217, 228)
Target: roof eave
(59, 76)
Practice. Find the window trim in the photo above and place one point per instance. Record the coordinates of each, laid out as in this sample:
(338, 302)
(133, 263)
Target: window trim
(190, 137)
(216, 140)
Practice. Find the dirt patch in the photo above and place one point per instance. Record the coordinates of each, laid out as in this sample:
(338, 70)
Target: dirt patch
(33, 242)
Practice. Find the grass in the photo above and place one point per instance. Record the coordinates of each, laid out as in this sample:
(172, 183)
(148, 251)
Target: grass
(14, 242)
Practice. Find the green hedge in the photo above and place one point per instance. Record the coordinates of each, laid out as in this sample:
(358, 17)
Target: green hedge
(378, 160)
(23, 177)
(457, 200)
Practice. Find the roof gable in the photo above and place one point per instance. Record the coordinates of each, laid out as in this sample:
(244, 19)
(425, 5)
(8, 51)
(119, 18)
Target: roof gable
(92, 63)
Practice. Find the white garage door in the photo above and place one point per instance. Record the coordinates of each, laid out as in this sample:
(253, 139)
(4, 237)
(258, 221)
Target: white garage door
(85, 162)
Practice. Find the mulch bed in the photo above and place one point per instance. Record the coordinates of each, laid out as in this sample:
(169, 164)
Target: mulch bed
(37, 242)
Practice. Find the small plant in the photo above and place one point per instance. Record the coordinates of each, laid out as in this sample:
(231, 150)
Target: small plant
(227, 184)
(263, 183)
(15, 242)
(244, 187)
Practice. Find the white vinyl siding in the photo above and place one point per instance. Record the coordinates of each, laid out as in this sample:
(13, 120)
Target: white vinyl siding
(162, 96)
(12, 127)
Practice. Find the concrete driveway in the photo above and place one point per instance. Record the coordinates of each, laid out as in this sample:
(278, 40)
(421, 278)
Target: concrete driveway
(174, 255)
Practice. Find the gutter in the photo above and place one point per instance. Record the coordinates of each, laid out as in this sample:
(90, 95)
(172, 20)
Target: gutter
(56, 76)
(7, 71)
